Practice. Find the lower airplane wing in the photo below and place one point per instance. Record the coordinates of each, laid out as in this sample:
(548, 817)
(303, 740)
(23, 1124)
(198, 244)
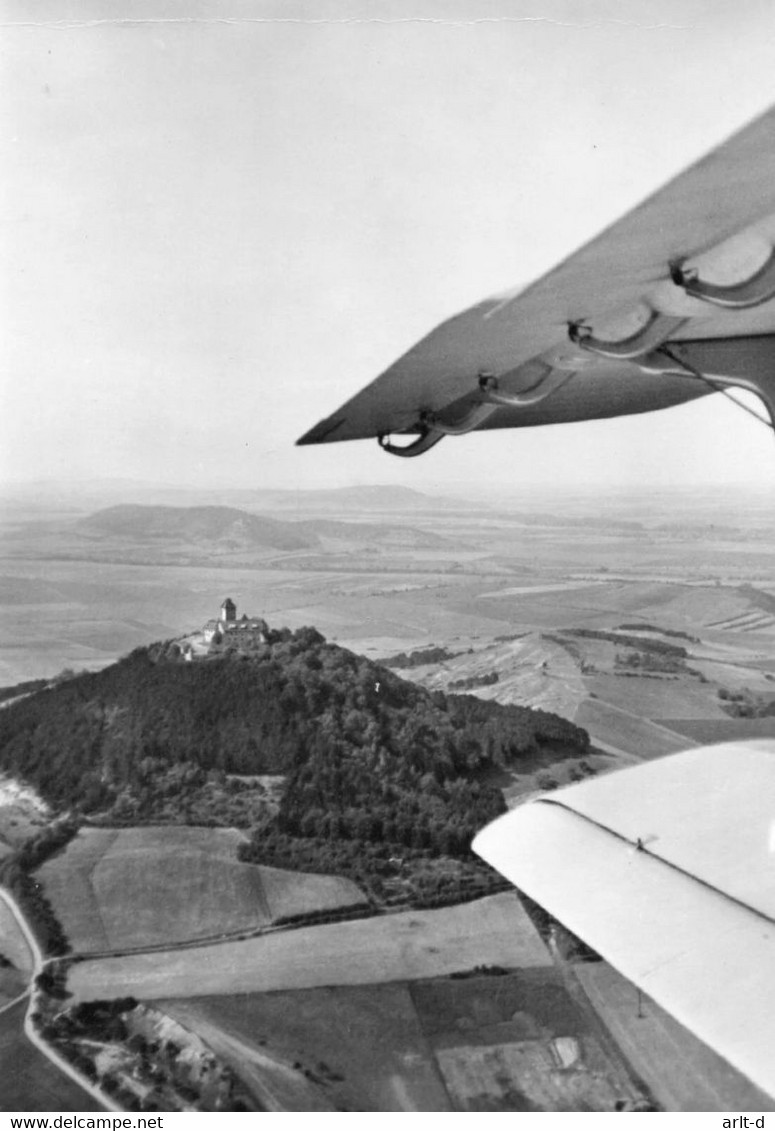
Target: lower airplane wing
(667, 870)
(675, 300)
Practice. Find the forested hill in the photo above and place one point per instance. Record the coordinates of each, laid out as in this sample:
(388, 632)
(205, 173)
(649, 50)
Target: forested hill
(352, 736)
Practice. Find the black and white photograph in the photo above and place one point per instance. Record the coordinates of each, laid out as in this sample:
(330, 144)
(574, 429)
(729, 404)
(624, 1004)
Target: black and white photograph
(387, 558)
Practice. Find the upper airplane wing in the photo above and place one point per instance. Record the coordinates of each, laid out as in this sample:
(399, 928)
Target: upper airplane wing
(671, 302)
(666, 870)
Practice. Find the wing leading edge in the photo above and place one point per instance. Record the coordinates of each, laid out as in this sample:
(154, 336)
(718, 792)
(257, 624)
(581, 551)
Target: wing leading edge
(666, 870)
(673, 301)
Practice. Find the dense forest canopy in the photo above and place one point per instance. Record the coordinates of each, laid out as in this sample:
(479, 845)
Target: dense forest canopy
(369, 758)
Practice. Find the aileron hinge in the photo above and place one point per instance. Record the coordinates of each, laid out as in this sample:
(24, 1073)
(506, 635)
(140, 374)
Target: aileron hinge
(472, 418)
(425, 441)
(753, 291)
(547, 381)
(652, 334)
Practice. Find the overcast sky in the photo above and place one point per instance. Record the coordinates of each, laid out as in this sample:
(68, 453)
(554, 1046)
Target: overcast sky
(220, 220)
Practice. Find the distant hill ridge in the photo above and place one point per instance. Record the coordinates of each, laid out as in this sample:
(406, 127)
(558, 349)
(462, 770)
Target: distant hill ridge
(196, 524)
(217, 525)
(98, 493)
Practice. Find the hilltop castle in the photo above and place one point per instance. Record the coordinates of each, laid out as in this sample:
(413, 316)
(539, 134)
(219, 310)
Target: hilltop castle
(227, 622)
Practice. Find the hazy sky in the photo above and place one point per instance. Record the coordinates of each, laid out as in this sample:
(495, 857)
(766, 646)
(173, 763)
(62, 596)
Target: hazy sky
(220, 220)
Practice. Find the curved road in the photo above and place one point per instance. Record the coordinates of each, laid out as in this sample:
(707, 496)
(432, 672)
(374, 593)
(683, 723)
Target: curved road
(38, 964)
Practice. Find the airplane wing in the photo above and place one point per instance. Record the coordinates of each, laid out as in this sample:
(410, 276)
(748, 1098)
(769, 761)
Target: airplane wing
(667, 870)
(673, 301)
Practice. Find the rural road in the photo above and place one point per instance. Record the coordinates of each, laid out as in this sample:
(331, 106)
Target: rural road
(38, 964)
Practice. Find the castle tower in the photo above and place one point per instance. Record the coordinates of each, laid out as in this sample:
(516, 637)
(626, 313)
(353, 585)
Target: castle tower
(228, 611)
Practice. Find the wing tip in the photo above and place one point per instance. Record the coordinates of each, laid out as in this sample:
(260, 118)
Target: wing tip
(322, 432)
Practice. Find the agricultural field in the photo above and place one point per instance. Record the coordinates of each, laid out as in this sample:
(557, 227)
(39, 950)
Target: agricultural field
(385, 948)
(119, 889)
(335, 1048)
(519, 1043)
(736, 668)
(527, 1076)
(13, 945)
(627, 732)
(15, 958)
(577, 678)
(657, 697)
(621, 690)
(723, 730)
(498, 1042)
(532, 669)
(12, 983)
